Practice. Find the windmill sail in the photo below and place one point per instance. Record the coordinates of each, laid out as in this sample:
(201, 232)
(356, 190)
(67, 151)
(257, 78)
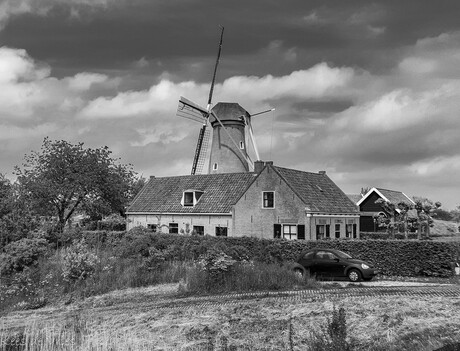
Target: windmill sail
(190, 110)
(201, 151)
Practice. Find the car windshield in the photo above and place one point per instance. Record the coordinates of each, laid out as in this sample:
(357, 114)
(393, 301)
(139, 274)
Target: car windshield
(342, 254)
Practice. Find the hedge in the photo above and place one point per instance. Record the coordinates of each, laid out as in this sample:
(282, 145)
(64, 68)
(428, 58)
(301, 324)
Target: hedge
(392, 257)
(386, 235)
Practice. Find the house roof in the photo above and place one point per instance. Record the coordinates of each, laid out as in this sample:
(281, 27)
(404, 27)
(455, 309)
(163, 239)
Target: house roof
(393, 196)
(317, 191)
(220, 193)
(355, 197)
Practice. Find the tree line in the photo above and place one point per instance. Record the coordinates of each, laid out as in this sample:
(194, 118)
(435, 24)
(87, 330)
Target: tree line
(60, 181)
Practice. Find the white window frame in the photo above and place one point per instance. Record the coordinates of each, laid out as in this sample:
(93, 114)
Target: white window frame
(196, 196)
(292, 235)
(263, 200)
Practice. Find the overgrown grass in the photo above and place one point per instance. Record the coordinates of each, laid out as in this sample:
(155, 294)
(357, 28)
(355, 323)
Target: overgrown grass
(246, 276)
(37, 286)
(243, 327)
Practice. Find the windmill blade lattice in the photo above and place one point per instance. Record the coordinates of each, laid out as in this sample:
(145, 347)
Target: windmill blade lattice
(201, 150)
(190, 110)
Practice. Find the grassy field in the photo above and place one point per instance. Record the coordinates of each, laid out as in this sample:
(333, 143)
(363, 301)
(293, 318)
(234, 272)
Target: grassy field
(127, 320)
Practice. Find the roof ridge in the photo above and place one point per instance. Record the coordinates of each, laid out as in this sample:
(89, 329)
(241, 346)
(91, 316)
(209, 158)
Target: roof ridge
(396, 191)
(297, 170)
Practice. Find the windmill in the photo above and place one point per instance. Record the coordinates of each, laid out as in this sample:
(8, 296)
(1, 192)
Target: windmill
(231, 129)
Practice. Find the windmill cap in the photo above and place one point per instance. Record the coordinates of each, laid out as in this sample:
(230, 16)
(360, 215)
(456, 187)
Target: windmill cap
(229, 111)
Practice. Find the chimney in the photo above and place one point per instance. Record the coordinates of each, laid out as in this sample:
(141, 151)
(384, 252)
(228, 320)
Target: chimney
(269, 163)
(258, 166)
(322, 172)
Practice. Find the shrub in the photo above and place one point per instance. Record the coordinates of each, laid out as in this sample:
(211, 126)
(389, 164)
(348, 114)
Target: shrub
(333, 335)
(79, 262)
(20, 254)
(114, 222)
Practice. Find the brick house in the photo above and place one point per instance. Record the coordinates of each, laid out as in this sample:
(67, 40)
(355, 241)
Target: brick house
(269, 202)
(368, 208)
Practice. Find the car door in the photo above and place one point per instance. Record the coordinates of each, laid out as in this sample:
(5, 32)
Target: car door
(328, 264)
(307, 260)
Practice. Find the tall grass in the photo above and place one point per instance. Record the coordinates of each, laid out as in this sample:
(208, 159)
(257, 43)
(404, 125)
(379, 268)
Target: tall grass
(254, 276)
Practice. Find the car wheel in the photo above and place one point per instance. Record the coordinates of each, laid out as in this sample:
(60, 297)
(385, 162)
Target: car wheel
(354, 275)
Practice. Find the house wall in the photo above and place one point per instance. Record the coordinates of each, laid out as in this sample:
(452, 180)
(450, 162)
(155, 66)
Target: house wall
(185, 222)
(332, 220)
(369, 205)
(251, 219)
(368, 208)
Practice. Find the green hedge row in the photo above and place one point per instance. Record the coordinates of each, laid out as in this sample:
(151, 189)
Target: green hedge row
(392, 257)
(385, 235)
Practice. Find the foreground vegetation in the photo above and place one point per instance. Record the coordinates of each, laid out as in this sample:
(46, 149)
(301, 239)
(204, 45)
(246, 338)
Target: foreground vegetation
(126, 320)
(35, 274)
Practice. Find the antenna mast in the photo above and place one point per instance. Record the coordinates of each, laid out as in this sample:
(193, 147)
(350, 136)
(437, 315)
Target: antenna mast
(215, 69)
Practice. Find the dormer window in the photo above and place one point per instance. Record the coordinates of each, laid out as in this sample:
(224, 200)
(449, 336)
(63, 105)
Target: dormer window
(191, 197)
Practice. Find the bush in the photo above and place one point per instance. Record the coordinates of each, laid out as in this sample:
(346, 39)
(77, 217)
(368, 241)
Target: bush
(333, 335)
(20, 254)
(392, 257)
(78, 262)
(114, 222)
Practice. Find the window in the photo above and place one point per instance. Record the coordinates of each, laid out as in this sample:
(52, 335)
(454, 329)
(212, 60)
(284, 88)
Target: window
(323, 231)
(348, 230)
(337, 230)
(214, 167)
(290, 231)
(173, 228)
(309, 255)
(354, 231)
(268, 199)
(241, 145)
(198, 229)
(188, 199)
(152, 227)
(221, 231)
(191, 197)
(325, 255)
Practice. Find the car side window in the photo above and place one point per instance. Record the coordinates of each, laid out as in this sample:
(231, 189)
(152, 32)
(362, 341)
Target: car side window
(324, 255)
(308, 255)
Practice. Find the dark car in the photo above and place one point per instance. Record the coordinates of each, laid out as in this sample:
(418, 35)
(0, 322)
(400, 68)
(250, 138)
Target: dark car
(334, 263)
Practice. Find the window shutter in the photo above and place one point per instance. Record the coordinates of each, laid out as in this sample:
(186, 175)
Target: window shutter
(301, 232)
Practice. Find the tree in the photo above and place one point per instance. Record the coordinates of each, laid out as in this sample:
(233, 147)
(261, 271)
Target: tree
(425, 210)
(6, 191)
(16, 217)
(63, 178)
(389, 223)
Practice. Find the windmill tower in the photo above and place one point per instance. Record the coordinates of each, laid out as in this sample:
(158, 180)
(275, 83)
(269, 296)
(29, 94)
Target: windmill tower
(231, 129)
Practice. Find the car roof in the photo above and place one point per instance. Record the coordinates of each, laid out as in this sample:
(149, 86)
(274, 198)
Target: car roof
(319, 249)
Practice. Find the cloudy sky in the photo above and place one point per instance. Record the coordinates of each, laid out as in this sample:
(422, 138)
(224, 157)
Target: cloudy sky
(368, 91)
